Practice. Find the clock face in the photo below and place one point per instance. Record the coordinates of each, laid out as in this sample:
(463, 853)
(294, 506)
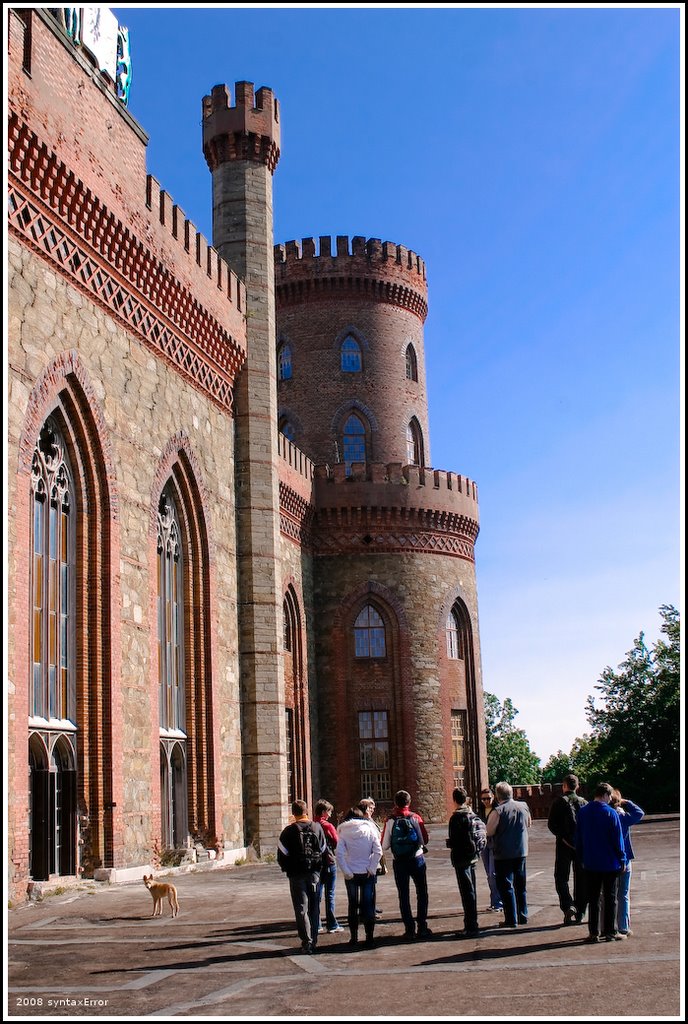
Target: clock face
(99, 36)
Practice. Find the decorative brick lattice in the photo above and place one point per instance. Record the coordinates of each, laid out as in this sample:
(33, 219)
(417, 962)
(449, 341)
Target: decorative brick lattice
(61, 219)
(296, 516)
(354, 531)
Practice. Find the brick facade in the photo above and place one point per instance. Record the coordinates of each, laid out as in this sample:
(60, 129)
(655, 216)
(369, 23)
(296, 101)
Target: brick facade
(128, 331)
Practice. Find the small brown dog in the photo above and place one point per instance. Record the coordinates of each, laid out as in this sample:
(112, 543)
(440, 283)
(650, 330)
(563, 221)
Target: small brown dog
(160, 890)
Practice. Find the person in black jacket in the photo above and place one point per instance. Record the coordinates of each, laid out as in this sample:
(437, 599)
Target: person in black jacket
(466, 839)
(300, 852)
(563, 815)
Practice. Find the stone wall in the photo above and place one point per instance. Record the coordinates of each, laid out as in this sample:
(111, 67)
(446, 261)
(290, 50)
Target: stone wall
(148, 411)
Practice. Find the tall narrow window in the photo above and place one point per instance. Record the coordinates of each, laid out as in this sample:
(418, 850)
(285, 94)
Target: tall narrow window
(369, 634)
(414, 444)
(454, 646)
(354, 441)
(286, 627)
(170, 617)
(52, 686)
(284, 366)
(373, 745)
(173, 758)
(411, 364)
(289, 725)
(458, 743)
(351, 358)
(52, 682)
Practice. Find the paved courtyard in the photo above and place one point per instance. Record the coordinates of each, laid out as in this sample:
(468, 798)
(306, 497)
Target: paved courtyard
(95, 952)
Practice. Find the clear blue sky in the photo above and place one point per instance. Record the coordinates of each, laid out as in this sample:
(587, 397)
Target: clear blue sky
(531, 157)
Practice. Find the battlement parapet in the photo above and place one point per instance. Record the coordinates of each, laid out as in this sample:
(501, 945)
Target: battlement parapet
(294, 457)
(394, 485)
(190, 241)
(369, 267)
(247, 130)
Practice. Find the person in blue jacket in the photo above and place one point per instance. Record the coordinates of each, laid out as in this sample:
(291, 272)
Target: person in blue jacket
(600, 846)
(629, 814)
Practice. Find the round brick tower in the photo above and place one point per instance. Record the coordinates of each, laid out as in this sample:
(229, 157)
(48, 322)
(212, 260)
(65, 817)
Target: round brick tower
(351, 368)
(398, 676)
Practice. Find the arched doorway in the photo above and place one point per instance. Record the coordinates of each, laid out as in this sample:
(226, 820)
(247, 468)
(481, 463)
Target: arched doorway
(52, 808)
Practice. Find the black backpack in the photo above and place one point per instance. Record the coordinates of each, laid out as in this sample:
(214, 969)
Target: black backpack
(310, 859)
(461, 839)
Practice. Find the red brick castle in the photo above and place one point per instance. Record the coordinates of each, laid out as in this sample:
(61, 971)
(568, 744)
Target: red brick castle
(233, 578)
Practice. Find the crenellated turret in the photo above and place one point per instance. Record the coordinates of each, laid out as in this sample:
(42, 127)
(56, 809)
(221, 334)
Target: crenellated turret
(249, 130)
(350, 315)
(384, 270)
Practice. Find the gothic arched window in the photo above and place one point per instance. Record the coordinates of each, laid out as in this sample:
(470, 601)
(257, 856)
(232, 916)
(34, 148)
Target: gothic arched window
(351, 357)
(171, 674)
(284, 366)
(414, 444)
(369, 634)
(453, 636)
(354, 440)
(170, 616)
(52, 585)
(411, 363)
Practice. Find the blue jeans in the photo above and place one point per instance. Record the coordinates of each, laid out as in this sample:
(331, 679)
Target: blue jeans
(487, 857)
(511, 882)
(328, 880)
(361, 892)
(406, 869)
(624, 897)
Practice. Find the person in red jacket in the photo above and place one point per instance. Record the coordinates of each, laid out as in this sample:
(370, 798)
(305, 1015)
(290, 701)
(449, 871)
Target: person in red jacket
(328, 876)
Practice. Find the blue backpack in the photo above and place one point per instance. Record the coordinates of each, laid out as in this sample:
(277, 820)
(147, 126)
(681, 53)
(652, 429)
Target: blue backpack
(405, 838)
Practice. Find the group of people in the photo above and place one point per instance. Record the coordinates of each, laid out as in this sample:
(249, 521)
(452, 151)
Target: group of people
(593, 844)
(311, 853)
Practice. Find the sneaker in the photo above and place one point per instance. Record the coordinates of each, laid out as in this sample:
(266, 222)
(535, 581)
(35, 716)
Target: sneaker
(591, 938)
(337, 928)
(570, 916)
(615, 937)
(505, 924)
(495, 910)
(627, 933)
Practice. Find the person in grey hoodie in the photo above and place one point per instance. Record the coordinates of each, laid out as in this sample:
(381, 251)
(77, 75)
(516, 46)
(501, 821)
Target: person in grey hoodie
(358, 856)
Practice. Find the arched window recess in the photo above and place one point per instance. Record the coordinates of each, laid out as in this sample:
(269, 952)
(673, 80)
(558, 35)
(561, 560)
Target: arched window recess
(411, 363)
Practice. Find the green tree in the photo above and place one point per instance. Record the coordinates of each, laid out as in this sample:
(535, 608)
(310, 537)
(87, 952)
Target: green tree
(557, 767)
(509, 757)
(635, 741)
